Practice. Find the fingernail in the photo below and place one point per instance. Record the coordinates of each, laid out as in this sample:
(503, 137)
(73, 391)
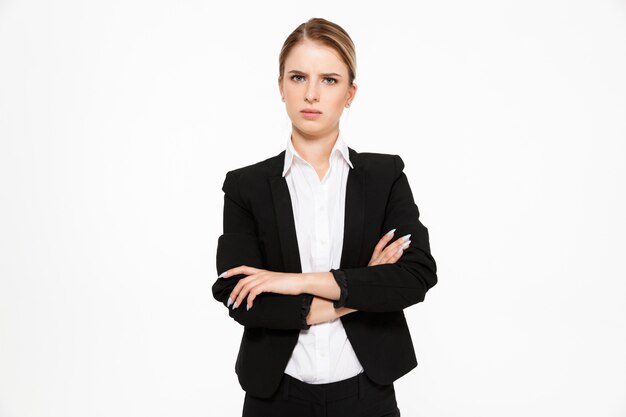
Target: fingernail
(406, 245)
(229, 302)
(390, 232)
(406, 237)
(235, 305)
(223, 274)
(247, 307)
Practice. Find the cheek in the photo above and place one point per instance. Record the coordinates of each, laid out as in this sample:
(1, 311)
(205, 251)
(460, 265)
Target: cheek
(337, 101)
(293, 99)
(294, 89)
(338, 98)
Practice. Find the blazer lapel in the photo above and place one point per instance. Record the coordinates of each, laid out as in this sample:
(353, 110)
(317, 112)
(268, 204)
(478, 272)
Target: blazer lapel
(354, 217)
(286, 224)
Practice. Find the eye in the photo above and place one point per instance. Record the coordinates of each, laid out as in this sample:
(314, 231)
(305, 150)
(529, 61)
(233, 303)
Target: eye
(294, 77)
(331, 80)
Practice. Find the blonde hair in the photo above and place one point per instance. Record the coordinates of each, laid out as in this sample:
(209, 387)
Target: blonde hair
(327, 33)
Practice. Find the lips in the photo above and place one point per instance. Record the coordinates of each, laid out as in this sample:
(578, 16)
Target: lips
(311, 111)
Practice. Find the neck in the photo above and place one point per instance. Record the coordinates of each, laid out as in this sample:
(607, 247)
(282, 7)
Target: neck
(314, 149)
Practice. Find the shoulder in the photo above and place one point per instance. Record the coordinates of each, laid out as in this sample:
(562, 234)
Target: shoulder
(253, 175)
(381, 164)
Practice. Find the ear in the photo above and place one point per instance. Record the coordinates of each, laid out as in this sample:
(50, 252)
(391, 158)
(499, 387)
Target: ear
(280, 88)
(351, 93)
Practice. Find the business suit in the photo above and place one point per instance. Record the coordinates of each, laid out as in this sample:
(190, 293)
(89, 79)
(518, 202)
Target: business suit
(259, 231)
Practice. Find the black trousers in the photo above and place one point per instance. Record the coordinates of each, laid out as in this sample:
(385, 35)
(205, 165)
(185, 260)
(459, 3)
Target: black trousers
(358, 396)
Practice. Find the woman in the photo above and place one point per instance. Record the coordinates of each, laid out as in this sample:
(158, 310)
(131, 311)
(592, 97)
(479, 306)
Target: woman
(302, 263)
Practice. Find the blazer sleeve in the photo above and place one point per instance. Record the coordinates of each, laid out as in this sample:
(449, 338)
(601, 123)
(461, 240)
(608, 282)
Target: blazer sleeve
(239, 245)
(392, 287)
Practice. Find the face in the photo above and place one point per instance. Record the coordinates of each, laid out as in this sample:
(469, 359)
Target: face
(315, 88)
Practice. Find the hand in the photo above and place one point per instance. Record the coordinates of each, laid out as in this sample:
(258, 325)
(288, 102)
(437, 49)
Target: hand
(323, 310)
(261, 280)
(391, 253)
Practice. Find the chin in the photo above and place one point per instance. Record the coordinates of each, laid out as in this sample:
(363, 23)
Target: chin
(310, 128)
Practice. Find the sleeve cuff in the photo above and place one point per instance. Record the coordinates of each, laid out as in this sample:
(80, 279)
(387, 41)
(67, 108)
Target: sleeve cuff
(340, 277)
(306, 306)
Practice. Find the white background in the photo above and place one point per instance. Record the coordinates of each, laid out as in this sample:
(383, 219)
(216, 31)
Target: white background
(119, 120)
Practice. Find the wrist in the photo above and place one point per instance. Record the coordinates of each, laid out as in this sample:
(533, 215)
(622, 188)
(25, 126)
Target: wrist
(305, 283)
(322, 310)
(322, 284)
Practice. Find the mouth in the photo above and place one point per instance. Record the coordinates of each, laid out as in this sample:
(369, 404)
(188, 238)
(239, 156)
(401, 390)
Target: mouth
(311, 113)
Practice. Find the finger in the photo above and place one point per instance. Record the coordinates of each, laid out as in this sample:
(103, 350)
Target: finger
(393, 259)
(390, 251)
(234, 294)
(398, 254)
(245, 290)
(252, 295)
(384, 256)
(398, 243)
(394, 251)
(380, 258)
(381, 244)
(402, 248)
(403, 239)
(237, 296)
(227, 274)
(242, 269)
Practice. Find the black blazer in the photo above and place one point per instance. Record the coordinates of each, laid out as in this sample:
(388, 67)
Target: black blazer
(259, 231)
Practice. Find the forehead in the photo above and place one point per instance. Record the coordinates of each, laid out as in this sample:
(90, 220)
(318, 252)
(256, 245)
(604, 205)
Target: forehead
(314, 56)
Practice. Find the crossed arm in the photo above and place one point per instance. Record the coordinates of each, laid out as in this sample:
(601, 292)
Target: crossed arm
(322, 285)
(295, 301)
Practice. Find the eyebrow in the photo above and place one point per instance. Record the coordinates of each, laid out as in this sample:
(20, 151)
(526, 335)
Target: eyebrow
(328, 74)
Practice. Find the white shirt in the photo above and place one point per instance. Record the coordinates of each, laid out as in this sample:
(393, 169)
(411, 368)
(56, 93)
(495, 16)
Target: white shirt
(323, 353)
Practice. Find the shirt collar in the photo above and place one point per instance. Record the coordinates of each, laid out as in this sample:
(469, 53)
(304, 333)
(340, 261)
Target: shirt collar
(340, 146)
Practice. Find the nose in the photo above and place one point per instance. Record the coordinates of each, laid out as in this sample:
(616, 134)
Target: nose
(311, 93)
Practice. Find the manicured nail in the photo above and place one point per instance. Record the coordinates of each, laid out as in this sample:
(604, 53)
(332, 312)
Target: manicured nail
(404, 246)
(229, 302)
(223, 274)
(235, 305)
(390, 232)
(247, 307)
(406, 237)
